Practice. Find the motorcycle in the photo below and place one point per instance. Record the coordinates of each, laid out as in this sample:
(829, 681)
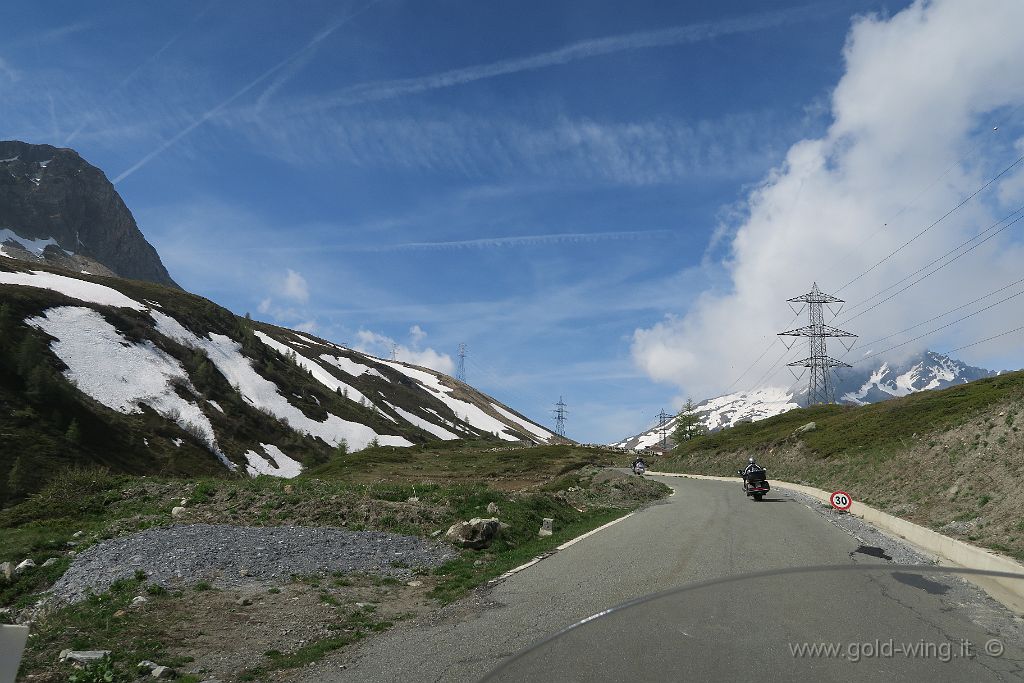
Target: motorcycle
(639, 468)
(755, 483)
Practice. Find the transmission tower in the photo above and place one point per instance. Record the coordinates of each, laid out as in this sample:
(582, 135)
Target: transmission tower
(394, 352)
(460, 372)
(663, 420)
(560, 412)
(819, 388)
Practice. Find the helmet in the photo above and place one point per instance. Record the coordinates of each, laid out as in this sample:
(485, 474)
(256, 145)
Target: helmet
(751, 460)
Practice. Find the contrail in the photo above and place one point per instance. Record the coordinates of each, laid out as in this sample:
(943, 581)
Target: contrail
(481, 243)
(676, 35)
(313, 42)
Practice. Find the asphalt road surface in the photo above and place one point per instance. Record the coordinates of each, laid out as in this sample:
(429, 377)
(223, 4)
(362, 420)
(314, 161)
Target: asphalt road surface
(882, 627)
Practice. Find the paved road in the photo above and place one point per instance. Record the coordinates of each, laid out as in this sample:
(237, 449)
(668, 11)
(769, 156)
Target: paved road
(705, 531)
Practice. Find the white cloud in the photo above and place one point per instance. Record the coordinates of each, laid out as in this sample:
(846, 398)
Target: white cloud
(920, 93)
(384, 347)
(295, 287)
(9, 72)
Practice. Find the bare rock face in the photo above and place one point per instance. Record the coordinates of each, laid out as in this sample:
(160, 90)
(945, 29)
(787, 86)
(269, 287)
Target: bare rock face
(51, 193)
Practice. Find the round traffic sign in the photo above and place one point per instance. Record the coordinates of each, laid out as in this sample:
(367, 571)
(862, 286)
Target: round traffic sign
(841, 500)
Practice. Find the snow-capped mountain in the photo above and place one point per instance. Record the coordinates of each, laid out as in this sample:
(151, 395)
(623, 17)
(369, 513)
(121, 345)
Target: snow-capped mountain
(163, 378)
(928, 370)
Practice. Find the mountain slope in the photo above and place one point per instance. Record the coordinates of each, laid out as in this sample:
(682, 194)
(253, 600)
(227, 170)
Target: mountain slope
(923, 372)
(145, 378)
(58, 208)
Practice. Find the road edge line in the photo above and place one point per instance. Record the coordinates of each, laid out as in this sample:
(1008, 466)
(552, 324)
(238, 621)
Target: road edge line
(570, 542)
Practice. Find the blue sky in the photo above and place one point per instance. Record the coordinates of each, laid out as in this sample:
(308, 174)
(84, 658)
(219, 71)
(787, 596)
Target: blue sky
(569, 188)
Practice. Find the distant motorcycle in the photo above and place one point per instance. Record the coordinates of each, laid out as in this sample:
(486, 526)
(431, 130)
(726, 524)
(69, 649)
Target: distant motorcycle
(755, 483)
(639, 467)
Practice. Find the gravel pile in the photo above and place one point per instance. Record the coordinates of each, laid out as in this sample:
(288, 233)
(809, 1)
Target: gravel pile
(229, 556)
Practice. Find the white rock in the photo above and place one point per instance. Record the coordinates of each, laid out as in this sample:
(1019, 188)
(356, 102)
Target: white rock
(163, 672)
(414, 584)
(49, 562)
(412, 499)
(78, 534)
(139, 600)
(546, 527)
(83, 656)
(7, 569)
(177, 511)
(25, 564)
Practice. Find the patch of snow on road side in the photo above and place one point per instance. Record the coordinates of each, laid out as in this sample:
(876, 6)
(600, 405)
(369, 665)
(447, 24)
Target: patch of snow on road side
(69, 286)
(285, 467)
(177, 442)
(215, 405)
(226, 355)
(120, 374)
(539, 432)
(429, 427)
(349, 366)
(462, 409)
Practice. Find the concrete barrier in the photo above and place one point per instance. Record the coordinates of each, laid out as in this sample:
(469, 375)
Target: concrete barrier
(955, 553)
(12, 643)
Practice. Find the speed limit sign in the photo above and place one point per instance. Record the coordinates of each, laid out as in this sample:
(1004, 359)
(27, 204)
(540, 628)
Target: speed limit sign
(841, 500)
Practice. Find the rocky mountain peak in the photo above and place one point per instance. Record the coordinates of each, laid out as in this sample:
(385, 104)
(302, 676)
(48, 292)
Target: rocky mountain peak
(57, 207)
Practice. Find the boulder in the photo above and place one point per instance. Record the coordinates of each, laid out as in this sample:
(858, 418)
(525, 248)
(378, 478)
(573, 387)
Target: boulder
(546, 527)
(412, 499)
(138, 601)
(77, 534)
(289, 489)
(146, 665)
(7, 569)
(23, 565)
(49, 562)
(177, 511)
(243, 602)
(492, 509)
(476, 534)
(163, 672)
(414, 584)
(809, 427)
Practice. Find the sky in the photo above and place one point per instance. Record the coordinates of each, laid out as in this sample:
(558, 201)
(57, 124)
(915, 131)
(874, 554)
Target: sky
(607, 202)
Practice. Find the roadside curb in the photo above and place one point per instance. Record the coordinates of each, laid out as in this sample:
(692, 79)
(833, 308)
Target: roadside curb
(1010, 592)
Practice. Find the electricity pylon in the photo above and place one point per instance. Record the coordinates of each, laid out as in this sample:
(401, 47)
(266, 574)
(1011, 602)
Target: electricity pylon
(560, 413)
(819, 388)
(460, 372)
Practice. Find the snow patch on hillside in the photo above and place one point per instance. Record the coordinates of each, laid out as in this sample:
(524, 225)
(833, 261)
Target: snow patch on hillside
(32, 245)
(539, 432)
(429, 427)
(120, 374)
(321, 375)
(279, 465)
(349, 366)
(226, 355)
(463, 409)
(69, 286)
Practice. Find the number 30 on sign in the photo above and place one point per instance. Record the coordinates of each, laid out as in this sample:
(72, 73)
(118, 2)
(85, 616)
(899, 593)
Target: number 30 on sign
(841, 500)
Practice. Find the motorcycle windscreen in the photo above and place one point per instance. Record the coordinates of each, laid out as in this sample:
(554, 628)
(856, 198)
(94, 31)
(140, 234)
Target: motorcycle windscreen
(842, 623)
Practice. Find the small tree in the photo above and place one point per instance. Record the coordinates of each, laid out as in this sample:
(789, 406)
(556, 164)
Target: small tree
(74, 432)
(688, 423)
(18, 479)
(342, 447)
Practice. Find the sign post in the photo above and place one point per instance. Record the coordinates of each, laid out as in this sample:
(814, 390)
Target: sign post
(841, 500)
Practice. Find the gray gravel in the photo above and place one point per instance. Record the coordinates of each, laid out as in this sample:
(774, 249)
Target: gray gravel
(229, 556)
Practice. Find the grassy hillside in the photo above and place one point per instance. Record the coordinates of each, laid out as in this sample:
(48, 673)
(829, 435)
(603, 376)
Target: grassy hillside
(948, 459)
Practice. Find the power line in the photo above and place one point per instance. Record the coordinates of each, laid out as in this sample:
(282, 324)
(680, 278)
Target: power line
(933, 262)
(986, 339)
(943, 315)
(941, 327)
(944, 216)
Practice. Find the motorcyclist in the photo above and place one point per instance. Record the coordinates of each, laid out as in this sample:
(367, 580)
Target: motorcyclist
(637, 460)
(752, 466)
